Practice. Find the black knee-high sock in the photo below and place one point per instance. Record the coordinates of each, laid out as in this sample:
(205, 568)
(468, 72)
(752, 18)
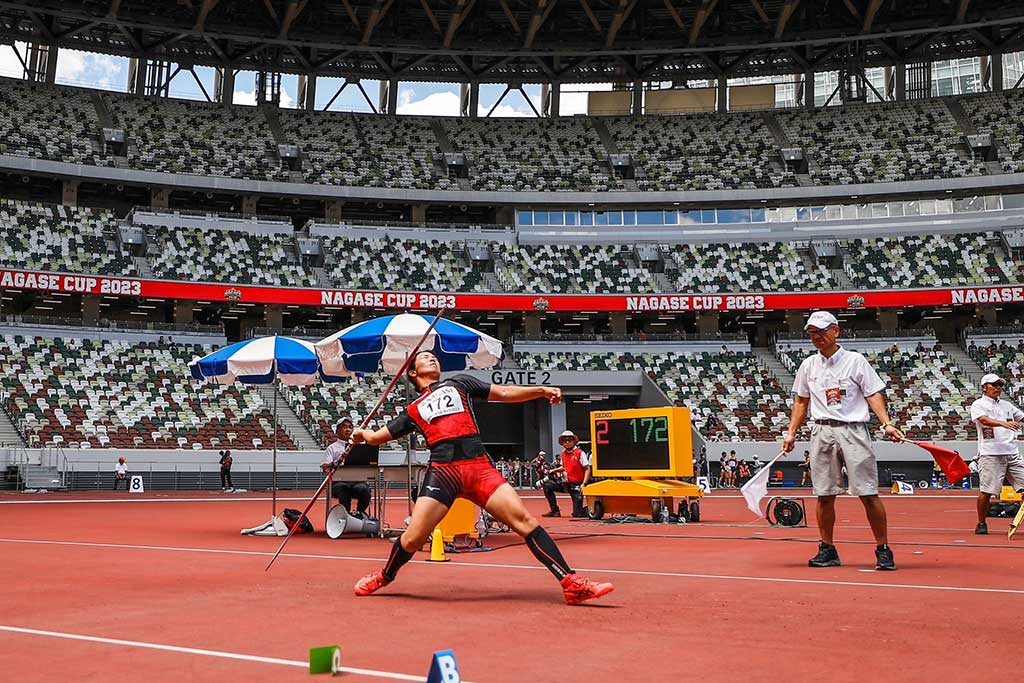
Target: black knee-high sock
(544, 549)
(399, 556)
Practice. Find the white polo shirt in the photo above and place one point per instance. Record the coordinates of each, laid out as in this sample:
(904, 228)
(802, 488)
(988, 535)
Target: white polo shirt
(837, 386)
(995, 440)
(334, 453)
(121, 468)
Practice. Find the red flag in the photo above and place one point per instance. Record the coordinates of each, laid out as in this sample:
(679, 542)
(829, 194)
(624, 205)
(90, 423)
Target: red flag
(953, 466)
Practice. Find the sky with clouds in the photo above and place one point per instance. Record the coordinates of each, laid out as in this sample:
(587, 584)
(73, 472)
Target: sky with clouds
(108, 72)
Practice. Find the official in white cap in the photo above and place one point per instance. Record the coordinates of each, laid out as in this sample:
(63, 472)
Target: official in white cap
(841, 389)
(998, 422)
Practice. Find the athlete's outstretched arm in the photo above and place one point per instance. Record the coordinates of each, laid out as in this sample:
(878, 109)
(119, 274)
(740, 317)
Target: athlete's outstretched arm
(381, 436)
(506, 393)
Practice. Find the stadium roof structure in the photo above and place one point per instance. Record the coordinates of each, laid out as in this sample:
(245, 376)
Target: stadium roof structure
(526, 41)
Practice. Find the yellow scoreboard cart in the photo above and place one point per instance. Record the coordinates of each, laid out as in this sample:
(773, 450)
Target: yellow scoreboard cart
(643, 453)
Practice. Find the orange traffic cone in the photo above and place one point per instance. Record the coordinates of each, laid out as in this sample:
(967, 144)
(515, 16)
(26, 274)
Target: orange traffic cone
(437, 547)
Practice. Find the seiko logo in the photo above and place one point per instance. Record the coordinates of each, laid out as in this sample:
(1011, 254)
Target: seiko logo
(602, 414)
(855, 301)
(541, 304)
(233, 294)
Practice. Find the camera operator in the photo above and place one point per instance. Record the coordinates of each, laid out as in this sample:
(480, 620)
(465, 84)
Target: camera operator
(574, 471)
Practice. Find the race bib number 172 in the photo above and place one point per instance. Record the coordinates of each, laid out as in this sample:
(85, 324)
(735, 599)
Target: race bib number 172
(444, 401)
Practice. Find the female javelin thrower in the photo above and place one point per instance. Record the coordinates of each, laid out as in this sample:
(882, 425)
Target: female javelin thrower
(461, 468)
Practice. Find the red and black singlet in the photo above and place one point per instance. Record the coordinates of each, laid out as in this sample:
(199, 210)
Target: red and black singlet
(443, 414)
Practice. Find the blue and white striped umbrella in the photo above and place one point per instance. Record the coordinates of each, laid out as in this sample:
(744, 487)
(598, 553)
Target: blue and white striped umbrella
(383, 343)
(260, 361)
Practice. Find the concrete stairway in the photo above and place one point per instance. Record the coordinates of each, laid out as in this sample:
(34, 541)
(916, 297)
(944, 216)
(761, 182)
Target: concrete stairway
(42, 477)
(445, 143)
(9, 434)
(775, 367)
(288, 420)
(967, 364)
(611, 147)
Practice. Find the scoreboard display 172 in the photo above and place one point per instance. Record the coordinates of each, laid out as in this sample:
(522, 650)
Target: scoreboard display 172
(643, 442)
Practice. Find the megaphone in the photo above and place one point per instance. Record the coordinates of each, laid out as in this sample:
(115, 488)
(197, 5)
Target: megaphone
(340, 522)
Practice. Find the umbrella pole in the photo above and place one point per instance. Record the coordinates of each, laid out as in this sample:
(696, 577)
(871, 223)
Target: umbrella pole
(273, 483)
(366, 421)
(408, 459)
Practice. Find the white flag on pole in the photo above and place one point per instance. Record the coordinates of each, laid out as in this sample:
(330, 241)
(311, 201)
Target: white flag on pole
(757, 488)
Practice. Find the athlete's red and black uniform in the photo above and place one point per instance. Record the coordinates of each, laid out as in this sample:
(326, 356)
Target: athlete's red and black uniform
(459, 463)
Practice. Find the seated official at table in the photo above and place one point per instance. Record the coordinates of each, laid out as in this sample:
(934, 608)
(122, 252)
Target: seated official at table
(345, 491)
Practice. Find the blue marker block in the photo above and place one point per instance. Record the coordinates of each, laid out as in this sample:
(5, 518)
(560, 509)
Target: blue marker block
(443, 668)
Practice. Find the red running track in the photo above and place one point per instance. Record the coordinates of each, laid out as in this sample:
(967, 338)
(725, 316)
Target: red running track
(727, 599)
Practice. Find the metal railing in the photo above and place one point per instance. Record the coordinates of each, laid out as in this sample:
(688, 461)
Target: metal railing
(376, 224)
(924, 333)
(1007, 331)
(209, 214)
(638, 338)
(112, 325)
(310, 332)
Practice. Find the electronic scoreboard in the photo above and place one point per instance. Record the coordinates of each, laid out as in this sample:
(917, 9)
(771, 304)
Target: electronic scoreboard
(642, 443)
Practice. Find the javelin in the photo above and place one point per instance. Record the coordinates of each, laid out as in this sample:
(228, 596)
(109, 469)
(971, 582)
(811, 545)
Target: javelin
(366, 421)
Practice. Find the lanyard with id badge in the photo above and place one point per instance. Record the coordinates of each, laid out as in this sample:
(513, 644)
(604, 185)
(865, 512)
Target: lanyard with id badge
(835, 391)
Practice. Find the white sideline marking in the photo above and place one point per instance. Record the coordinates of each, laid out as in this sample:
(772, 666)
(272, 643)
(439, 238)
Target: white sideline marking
(206, 653)
(491, 565)
(221, 499)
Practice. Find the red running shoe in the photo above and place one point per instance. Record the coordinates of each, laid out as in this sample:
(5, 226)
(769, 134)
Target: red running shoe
(371, 583)
(577, 589)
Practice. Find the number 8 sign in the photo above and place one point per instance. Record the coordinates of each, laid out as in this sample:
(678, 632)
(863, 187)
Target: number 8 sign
(135, 484)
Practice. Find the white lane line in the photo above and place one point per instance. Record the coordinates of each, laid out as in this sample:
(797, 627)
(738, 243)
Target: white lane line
(205, 653)
(224, 499)
(492, 565)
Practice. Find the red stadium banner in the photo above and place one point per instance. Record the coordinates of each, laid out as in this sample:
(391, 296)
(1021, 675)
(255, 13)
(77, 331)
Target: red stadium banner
(658, 303)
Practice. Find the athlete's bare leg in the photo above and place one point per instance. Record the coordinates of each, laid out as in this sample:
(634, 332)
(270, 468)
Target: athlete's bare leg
(426, 515)
(507, 507)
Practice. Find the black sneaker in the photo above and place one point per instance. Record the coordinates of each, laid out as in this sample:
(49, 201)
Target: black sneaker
(827, 556)
(883, 559)
(981, 529)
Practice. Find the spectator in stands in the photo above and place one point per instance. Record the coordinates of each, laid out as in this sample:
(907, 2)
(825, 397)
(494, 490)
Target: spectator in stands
(160, 341)
(841, 390)
(334, 457)
(936, 347)
(225, 471)
(999, 423)
(575, 464)
(972, 347)
(121, 473)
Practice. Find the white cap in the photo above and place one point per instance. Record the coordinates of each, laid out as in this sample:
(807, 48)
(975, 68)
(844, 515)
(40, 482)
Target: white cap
(566, 433)
(821, 320)
(991, 378)
(542, 452)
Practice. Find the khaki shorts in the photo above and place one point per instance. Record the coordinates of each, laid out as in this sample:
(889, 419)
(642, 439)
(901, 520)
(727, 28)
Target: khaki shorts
(993, 470)
(831, 448)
